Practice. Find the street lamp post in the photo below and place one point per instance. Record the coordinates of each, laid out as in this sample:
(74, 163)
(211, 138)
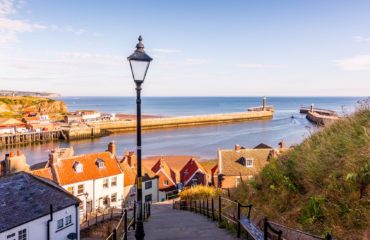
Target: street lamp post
(139, 63)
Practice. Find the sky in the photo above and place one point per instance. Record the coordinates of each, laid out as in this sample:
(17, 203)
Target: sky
(200, 48)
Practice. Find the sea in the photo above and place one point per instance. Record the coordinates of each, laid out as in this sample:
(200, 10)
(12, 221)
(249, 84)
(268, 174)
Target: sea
(200, 141)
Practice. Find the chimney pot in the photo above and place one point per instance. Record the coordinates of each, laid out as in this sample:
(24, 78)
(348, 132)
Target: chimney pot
(237, 147)
(282, 144)
(112, 148)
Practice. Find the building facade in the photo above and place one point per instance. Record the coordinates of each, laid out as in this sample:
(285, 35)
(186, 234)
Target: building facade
(96, 179)
(36, 209)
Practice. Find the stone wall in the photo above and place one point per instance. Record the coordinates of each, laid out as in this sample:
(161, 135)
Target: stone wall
(169, 122)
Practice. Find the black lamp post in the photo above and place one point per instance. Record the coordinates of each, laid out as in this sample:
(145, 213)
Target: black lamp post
(139, 63)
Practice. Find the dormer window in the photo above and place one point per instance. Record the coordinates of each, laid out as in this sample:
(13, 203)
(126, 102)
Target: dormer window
(100, 163)
(78, 167)
(249, 162)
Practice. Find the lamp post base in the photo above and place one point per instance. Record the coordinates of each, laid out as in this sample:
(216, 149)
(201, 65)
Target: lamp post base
(139, 232)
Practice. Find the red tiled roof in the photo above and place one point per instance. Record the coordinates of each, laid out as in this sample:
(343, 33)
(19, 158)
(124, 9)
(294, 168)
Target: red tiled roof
(66, 174)
(129, 174)
(43, 172)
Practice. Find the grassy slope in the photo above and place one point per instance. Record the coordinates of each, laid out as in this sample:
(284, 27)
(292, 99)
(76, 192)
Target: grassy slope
(322, 185)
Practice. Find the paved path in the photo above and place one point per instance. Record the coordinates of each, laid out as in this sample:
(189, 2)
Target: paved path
(167, 223)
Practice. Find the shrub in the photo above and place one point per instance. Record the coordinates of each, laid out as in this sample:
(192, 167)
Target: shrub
(199, 192)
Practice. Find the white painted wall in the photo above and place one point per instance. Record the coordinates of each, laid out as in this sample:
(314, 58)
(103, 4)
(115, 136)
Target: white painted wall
(96, 192)
(153, 190)
(37, 229)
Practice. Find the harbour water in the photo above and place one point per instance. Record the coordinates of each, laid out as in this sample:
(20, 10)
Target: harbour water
(202, 141)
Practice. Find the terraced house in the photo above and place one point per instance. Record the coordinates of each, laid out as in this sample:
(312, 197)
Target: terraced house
(175, 170)
(240, 164)
(34, 208)
(96, 178)
(149, 181)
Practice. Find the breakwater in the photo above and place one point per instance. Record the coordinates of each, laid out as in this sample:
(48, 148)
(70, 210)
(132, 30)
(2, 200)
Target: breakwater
(321, 119)
(175, 122)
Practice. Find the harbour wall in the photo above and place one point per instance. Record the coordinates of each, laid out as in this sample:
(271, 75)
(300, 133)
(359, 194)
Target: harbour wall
(320, 119)
(99, 129)
(175, 122)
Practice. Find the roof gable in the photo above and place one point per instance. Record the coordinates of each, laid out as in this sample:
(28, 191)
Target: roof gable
(262, 146)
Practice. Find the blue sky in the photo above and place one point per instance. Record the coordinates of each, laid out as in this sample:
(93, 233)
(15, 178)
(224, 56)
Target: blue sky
(200, 48)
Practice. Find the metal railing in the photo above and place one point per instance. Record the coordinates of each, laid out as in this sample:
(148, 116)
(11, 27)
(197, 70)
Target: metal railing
(121, 230)
(248, 223)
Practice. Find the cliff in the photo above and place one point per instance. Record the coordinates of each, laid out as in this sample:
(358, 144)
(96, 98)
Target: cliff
(16, 106)
(321, 185)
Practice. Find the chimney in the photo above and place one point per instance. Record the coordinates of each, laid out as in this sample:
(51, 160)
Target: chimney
(112, 148)
(264, 104)
(19, 152)
(131, 159)
(237, 147)
(282, 144)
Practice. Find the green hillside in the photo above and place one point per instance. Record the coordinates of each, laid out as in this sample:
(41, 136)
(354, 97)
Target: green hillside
(322, 185)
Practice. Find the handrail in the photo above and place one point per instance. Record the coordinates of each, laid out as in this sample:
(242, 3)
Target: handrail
(267, 226)
(127, 224)
(221, 211)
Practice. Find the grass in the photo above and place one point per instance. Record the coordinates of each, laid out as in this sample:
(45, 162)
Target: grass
(200, 192)
(322, 185)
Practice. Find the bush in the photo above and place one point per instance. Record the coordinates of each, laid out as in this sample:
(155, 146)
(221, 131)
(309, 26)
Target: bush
(199, 192)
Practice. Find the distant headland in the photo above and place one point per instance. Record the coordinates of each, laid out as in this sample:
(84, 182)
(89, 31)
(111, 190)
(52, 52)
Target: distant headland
(28, 94)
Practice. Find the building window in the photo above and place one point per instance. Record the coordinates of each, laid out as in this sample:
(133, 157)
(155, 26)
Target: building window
(165, 182)
(106, 183)
(194, 181)
(69, 220)
(238, 181)
(148, 185)
(11, 236)
(133, 190)
(81, 206)
(100, 163)
(78, 167)
(22, 234)
(113, 182)
(71, 189)
(80, 189)
(113, 198)
(106, 200)
(60, 223)
(249, 163)
(148, 198)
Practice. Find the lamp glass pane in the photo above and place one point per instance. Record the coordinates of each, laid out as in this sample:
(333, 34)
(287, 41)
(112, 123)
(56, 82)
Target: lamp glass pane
(139, 69)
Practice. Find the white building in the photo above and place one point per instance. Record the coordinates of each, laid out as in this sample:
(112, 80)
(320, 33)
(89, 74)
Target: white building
(36, 209)
(149, 181)
(96, 178)
(89, 115)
